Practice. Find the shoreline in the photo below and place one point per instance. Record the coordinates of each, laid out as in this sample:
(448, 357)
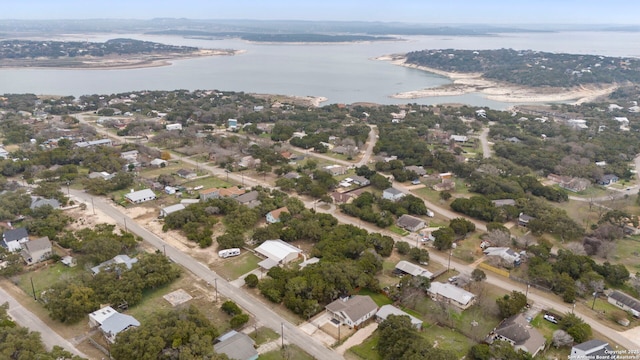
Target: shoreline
(120, 63)
(468, 83)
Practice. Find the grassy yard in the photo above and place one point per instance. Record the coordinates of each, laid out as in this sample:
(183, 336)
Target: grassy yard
(468, 250)
(207, 182)
(627, 252)
(44, 277)
(447, 339)
(234, 267)
(379, 298)
(397, 230)
(290, 352)
(264, 335)
(172, 167)
(367, 350)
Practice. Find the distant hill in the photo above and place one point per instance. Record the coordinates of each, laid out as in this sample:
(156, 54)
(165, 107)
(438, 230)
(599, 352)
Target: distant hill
(532, 68)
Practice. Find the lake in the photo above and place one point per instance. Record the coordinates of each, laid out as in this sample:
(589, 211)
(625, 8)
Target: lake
(343, 73)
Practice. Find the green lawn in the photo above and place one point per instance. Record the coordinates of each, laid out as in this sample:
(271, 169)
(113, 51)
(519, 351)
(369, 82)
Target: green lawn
(233, 268)
(447, 339)
(379, 298)
(264, 335)
(172, 167)
(45, 277)
(207, 182)
(627, 252)
(368, 349)
(398, 230)
(290, 352)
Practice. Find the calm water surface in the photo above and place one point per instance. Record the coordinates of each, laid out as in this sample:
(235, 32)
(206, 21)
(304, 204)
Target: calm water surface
(344, 73)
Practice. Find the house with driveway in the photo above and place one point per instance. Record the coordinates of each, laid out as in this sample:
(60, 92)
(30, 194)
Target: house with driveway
(392, 194)
(13, 239)
(111, 322)
(352, 311)
(140, 196)
(410, 223)
(236, 345)
(517, 331)
(387, 310)
(37, 250)
(451, 294)
(625, 302)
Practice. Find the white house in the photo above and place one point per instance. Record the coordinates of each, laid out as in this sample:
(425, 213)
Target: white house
(158, 162)
(507, 254)
(592, 349)
(277, 252)
(459, 138)
(625, 302)
(392, 194)
(111, 322)
(176, 126)
(171, 209)
(353, 310)
(405, 267)
(140, 196)
(451, 294)
(130, 156)
(387, 310)
(13, 239)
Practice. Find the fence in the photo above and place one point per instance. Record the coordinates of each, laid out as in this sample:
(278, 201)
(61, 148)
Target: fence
(494, 269)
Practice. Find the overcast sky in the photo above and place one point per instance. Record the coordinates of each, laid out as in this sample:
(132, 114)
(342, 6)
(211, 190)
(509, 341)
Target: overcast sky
(414, 11)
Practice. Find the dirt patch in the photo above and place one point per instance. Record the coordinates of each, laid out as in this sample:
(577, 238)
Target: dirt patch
(177, 297)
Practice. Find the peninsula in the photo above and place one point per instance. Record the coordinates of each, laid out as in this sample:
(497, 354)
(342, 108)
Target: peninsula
(115, 53)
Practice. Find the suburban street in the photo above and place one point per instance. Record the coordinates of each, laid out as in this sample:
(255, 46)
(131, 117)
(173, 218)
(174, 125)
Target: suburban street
(272, 320)
(27, 319)
(261, 312)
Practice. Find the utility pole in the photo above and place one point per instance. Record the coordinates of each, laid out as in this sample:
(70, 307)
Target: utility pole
(93, 206)
(215, 283)
(125, 225)
(282, 335)
(449, 263)
(595, 293)
(164, 249)
(33, 289)
(526, 295)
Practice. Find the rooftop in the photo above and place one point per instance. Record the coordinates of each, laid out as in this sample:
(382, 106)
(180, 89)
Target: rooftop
(451, 292)
(355, 307)
(276, 249)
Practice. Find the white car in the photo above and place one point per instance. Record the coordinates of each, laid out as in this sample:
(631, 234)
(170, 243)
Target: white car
(550, 318)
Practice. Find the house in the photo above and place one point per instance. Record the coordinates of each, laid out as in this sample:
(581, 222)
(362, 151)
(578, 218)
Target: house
(340, 198)
(513, 140)
(186, 173)
(277, 252)
(4, 153)
(592, 349)
(459, 138)
(503, 202)
(578, 124)
(410, 223)
(404, 267)
(607, 179)
(140, 196)
(387, 310)
(94, 143)
(575, 184)
(505, 253)
(217, 193)
(37, 250)
(445, 185)
(353, 310)
(117, 260)
(523, 219)
(625, 302)
(292, 175)
(158, 162)
(187, 202)
(249, 162)
(249, 199)
(13, 239)
(236, 345)
(232, 124)
(170, 190)
(69, 261)
(37, 202)
(273, 216)
(451, 294)
(335, 170)
(111, 322)
(392, 194)
(360, 180)
(172, 127)
(171, 209)
(130, 156)
(517, 331)
(101, 175)
(419, 170)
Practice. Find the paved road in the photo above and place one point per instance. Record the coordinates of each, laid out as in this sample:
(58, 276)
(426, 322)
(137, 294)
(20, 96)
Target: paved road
(265, 315)
(27, 319)
(486, 149)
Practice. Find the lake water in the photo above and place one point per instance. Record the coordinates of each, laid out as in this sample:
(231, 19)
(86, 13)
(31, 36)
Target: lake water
(343, 73)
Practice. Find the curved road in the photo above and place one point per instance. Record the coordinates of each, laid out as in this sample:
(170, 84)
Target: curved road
(265, 315)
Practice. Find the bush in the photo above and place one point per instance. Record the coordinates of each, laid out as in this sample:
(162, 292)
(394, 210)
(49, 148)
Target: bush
(231, 308)
(403, 247)
(239, 320)
(251, 280)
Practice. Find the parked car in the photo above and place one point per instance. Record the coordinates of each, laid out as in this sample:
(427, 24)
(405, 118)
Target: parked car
(550, 318)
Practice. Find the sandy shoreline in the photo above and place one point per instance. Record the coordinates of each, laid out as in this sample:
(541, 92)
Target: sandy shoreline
(120, 63)
(467, 83)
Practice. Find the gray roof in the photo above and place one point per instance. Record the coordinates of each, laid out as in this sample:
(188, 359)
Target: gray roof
(591, 344)
(140, 194)
(247, 197)
(451, 292)
(118, 259)
(419, 170)
(387, 310)
(15, 234)
(393, 191)
(354, 308)
(626, 299)
(173, 208)
(359, 179)
(503, 202)
(236, 346)
(117, 323)
(518, 330)
(410, 221)
(40, 244)
(36, 202)
(412, 269)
